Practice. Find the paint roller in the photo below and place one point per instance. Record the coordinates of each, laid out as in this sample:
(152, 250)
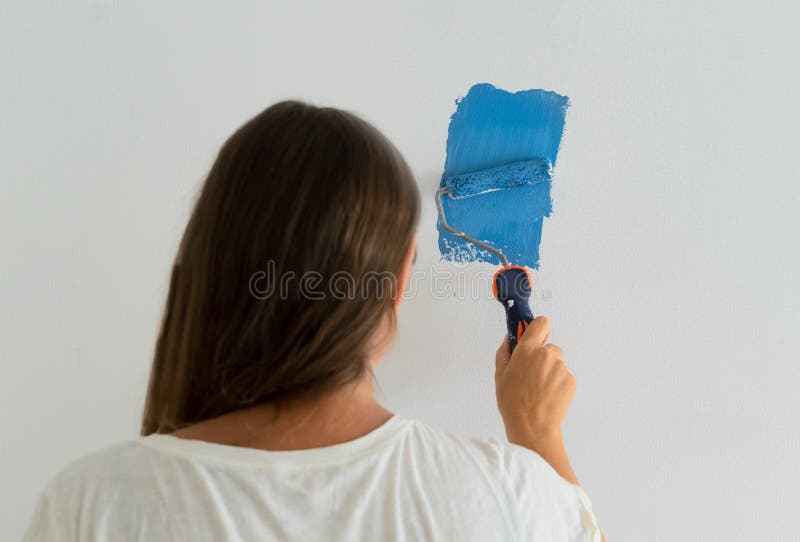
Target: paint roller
(511, 284)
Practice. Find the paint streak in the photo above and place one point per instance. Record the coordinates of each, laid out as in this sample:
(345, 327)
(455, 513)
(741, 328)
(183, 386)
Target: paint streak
(492, 127)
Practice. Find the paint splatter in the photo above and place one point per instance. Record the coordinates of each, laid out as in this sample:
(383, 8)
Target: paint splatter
(493, 127)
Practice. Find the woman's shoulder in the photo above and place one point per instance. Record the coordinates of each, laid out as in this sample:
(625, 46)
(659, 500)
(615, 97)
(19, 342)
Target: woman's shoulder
(100, 484)
(546, 504)
(490, 452)
(103, 468)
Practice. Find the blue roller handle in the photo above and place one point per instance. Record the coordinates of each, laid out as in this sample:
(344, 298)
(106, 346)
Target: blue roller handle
(512, 288)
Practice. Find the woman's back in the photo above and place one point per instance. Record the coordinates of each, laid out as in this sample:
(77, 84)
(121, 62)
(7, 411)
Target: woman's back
(402, 481)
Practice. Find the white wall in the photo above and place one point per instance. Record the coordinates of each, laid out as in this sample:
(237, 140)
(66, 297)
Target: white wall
(671, 261)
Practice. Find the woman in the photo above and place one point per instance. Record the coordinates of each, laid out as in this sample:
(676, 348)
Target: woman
(260, 421)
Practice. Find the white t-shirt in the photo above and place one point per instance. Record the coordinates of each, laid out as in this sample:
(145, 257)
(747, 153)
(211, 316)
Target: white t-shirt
(403, 481)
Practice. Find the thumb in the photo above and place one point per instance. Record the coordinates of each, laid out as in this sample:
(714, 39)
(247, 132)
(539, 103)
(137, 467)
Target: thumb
(502, 355)
(537, 332)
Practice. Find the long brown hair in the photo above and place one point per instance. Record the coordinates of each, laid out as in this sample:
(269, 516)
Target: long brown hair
(296, 190)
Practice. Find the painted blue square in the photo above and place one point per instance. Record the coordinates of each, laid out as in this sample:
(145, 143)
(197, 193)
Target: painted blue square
(493, 127)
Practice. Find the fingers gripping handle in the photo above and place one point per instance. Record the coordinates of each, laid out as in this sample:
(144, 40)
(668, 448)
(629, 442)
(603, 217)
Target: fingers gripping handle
(512, 288)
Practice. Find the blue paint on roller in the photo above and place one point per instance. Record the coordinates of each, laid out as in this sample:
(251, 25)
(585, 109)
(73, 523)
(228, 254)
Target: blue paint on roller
(498, 178)
(492, 128)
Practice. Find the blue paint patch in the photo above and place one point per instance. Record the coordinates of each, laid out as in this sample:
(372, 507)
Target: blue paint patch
(490, 128)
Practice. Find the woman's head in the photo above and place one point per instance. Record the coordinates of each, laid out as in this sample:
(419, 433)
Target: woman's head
(287, 276)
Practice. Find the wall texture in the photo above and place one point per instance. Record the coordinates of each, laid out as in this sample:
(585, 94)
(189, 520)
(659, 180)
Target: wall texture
(669, 266)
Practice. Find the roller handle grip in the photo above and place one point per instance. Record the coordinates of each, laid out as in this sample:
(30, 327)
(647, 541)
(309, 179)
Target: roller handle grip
(512, 288)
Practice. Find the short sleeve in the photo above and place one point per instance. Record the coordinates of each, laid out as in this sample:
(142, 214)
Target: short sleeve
(549, 507)
(45, 523)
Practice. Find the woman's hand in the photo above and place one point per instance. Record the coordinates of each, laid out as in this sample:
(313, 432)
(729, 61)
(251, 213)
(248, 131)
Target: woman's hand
(534, 387)
(534, 390)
